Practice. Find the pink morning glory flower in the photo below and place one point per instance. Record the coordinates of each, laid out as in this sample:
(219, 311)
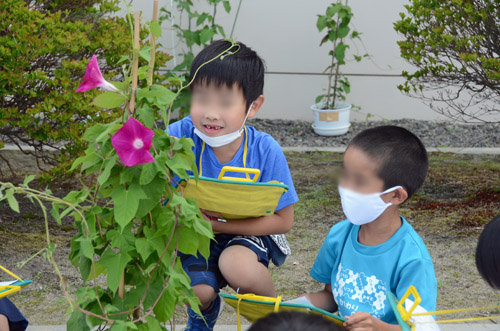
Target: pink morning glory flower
(132, 143)
(93, 78)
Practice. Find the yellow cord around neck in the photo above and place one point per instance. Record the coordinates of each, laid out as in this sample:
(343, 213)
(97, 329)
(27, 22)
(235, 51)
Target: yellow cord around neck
(244, 153)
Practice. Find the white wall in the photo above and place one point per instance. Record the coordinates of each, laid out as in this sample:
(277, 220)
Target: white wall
(284, 33)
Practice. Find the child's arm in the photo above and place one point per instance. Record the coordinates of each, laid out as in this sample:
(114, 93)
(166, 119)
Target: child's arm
(365, 322)
(323, 299)
(278, 223)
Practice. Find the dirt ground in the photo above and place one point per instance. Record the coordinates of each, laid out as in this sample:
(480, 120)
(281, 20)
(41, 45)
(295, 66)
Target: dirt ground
(461, 193)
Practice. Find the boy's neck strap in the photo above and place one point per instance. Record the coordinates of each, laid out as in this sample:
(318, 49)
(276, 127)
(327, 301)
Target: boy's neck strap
(244, 152)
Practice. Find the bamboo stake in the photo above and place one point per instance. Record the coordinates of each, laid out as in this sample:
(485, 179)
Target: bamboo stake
(135, 68)
(121, 287)
(152, 41)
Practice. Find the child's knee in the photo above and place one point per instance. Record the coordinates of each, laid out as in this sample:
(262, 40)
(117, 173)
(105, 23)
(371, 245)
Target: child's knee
(240, 267)
(237, 260)
(205, 293)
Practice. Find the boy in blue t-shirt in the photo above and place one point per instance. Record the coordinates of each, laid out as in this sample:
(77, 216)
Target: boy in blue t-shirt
(225, 93)
(375, 250)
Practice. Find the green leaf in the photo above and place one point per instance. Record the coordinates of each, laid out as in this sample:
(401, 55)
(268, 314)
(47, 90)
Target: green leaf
(333, 9)
(156, 28)
(126, 202)
(151, 324)
(164, 309)
(321, 23)
(77, 162)
(227, 6)
(28, 180)
(203, 228)
(179, 165)
(120, 325)
(148, 172)
(340, 52)
(144, 248)
(109, 100)
(95, 270)
(115, 264)
(86, 247)
(206, 34)
(108, 165)
(146, 115)
(104, 135)
(9, 194)
(147, 93)
(89, 160)
(343, 32)
(77, 321)
(122, 240)
(154, 191)
(145, 53)
(188, 242)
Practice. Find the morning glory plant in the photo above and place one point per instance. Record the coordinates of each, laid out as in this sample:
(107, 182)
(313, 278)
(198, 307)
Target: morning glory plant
(132, 143)
(93, 78)
(132, 221)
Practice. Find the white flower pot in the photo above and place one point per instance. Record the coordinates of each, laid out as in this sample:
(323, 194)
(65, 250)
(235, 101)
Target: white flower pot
(331, 122)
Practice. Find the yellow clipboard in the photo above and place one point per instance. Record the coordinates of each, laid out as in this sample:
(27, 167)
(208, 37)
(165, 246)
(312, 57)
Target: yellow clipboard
(13, 287)
(254, 307)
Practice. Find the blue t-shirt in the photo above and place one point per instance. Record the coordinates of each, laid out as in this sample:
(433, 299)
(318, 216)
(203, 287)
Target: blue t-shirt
(361, 275)
(263, 153)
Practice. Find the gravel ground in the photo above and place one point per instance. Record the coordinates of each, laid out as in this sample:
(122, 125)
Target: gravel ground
(434, 134)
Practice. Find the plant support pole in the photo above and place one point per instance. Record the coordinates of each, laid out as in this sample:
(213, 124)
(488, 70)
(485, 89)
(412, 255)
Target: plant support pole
(135, 69)
(235, 19)
(152, 43)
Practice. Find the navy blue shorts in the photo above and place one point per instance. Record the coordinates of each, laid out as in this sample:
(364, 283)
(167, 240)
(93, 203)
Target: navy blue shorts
(202, 273)
(17, 322)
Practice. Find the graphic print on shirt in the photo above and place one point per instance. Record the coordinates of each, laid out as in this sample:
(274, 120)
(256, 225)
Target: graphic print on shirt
(355, 292)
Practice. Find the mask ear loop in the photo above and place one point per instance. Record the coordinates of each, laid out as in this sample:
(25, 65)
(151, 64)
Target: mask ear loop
(246, 117)
(391, 189)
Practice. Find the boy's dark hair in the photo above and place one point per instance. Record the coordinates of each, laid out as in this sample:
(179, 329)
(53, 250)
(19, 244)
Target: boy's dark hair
(488, 253)
(294, 321)
(401, 156)
(244, 68)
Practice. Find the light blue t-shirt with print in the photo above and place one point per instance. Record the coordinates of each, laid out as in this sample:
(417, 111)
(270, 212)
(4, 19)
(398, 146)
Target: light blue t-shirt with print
(360, 275)
(263, 153)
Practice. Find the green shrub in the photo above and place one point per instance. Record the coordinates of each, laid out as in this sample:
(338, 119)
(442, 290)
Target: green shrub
(44, 49)
(455, 47)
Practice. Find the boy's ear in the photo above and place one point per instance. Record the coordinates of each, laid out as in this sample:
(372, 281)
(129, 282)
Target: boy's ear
(398, 196)
(256, 106)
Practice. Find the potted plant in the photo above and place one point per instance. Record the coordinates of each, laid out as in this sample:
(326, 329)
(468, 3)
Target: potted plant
(331, 113)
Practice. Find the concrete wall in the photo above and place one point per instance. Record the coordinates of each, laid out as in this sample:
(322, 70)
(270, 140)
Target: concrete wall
(284, 33)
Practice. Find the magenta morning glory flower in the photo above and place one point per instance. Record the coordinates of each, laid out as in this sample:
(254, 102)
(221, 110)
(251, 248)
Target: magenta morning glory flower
(93, 78)
(132, 143)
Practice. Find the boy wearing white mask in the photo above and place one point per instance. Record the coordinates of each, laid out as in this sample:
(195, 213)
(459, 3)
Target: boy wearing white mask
(225, 93)
(375, 250)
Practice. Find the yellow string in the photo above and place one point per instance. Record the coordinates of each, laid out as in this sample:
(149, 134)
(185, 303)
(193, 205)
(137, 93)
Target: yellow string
(244, 153)
(201, 156)
(453, 311)
(277, 304)
(459, 320)
(11, 273)
(238, 319)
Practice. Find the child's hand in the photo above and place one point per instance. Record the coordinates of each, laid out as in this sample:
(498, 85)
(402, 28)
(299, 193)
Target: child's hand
(362, 322)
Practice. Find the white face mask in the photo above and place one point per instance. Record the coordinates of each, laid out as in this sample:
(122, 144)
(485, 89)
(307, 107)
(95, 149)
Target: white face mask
(224, 139)
(363, 208)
